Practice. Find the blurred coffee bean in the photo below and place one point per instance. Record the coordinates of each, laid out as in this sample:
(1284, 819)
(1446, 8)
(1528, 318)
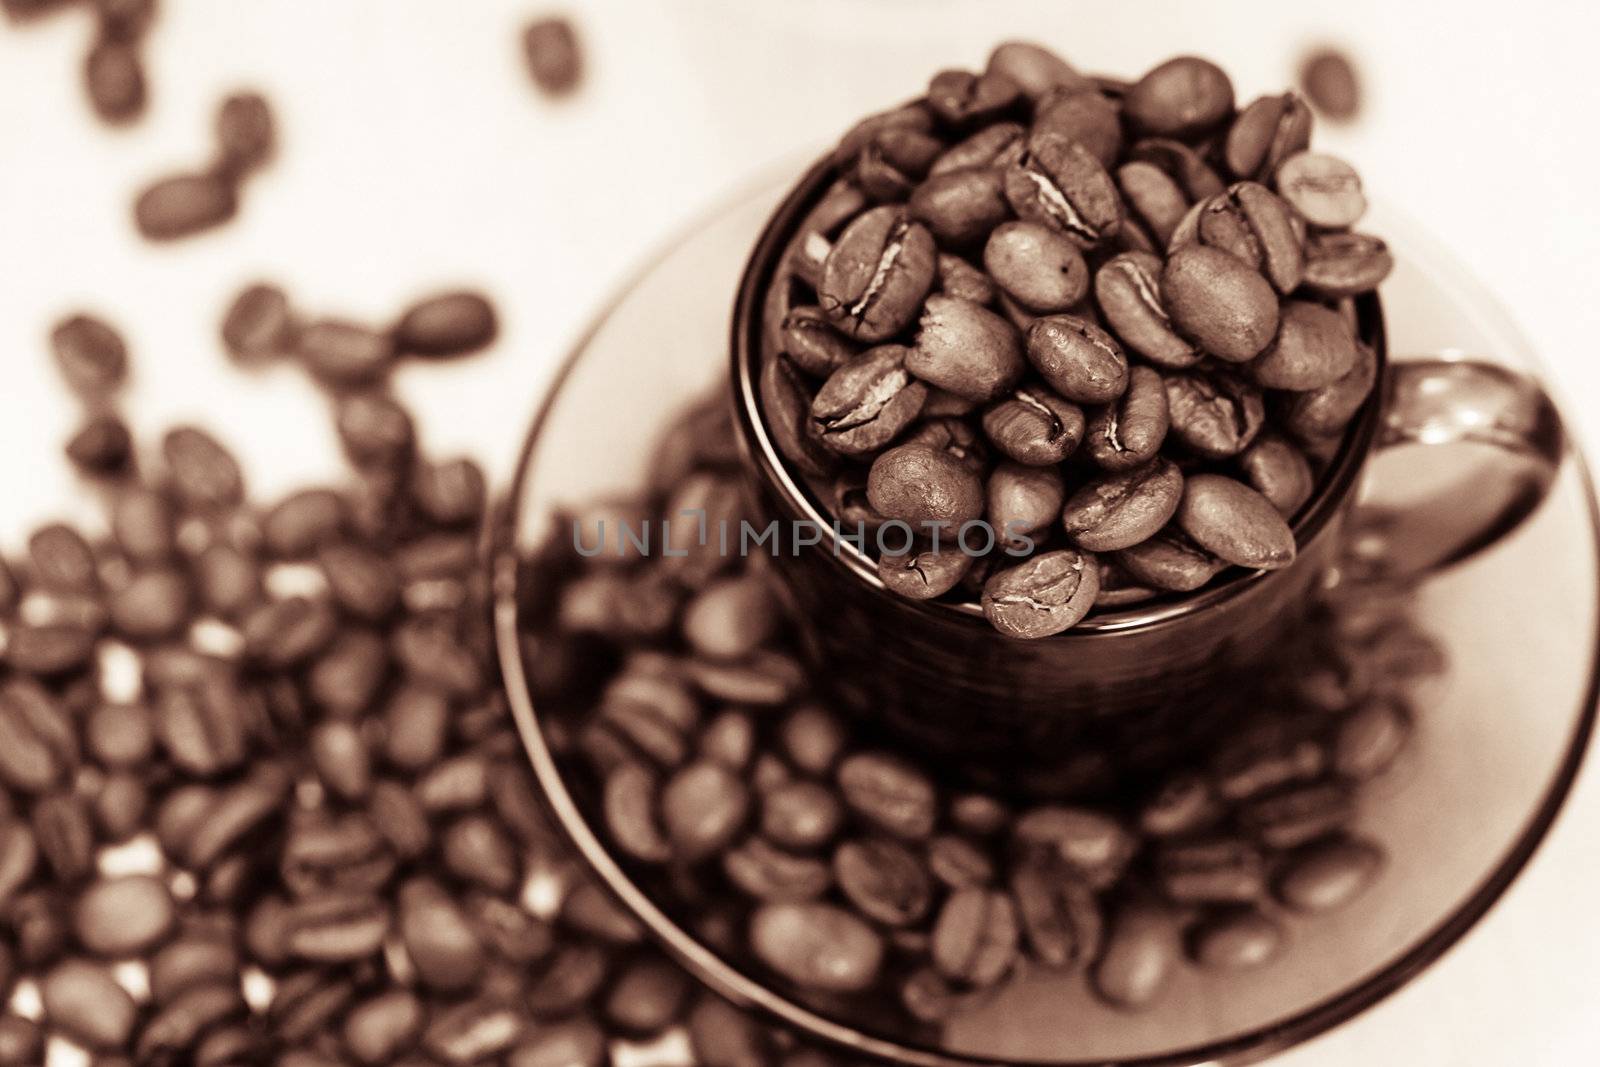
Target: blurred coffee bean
(1328, 78)
(113, 75)
(816, 946)
(245, 135)
(1141, 951)
(183, 205)
(90, 354)
(103, 446)
(1328, 875)
(550, 47)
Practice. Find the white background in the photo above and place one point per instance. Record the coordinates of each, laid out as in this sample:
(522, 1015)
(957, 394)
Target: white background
(416, 154)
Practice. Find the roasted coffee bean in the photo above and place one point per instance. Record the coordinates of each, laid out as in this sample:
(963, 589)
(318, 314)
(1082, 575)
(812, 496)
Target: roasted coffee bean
(362, 582)
(86, 1003)
(1169, 560)
(1237, 939)
(1323, 188)
(113, 75)
(703, 806)
(1034, 426)
(428, 650)
(1179, 98)
(204, 474)
(185, 204)
(817, 946)
(1128, 432)
(630, 813)
(1079, 360)
(577, 1042)
(303, 522)
(1319, 414)
(1235, 523)
(1042, 596)
(64, 830)
(889, 793)
(1314, 348)
(1035, 70)
(102, 446)
(865, 404)
(124, 916)
(22, 1041)
(923, 574)
(1279, 471)
(1154, 198)
(961, 280)
(120, 806)
(919, 485)
(1058, 912)
(975, 937)
(1328, 78)
(951, 434)
(1060, 184)
(259, 324)
(1180, 162)
(1265, 757)
(1214, 413)
(1211, 871)
(203, 730)
(554, 57)
(1346, 264)
(890, 163)
(765, 872)
(1219, 302)
(884, 880)
(1141, 952)
(1267, 132)
(91, 356)
(344, 354)
(800, 814)
(473, 1032)
(440, 941)
(446, 324)
(1093, 845)
(199, 957)
(1255, 226)
(959, 98)
(994, 146)
(283, 633)
(875, 277)
(1295, 816)
(961, 207)
(382, 1026)
(647, 996)
(1329, 875)
(337, 929)
(958, 862)
(1085, 115)
(812, 343)
(374, 429)
(965, 349)
(246, 138)
(1121, 510)
(1371, 737)
(1022, 501)
(19, 856)
(1036, 266)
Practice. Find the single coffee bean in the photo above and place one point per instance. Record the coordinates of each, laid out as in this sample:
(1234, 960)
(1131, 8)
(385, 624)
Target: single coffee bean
(1323, 188)
(344, 354)
(975, 937)
(303, 522)
(1094, 846)
(362, 582)
(576, 1042)
(1079, 360)
(337, 929)
(1293, 817)
(450, 493)
(965, 349)
(1085, 115)
(1265, 757)
(817, 946)
(1182, 163)
(954, 435)
(889, 165)
(1236, 940)
(1042, 596)
(732, 617)
(959, 862)
(447, 324)
(787, 402)
(812, 343)
(1267, 132)
(630, 813)
(246, 138)
(62, 559)
(103, 446)
(1370, 739)
(1022, 501)
(875, 277)
(113, 74)
(1314, 348)
(1035, 70)
(1154, 198)
(1235, 523)
(475, 1031)
(554, 57)
(64, 830)
(1128, 432)
(1216, 300)
(381, 1027)
(961, 280)
(283, 633)
(1211, 871)
(884, 880)
(1278, 471)
(1319, 414)
(119, 735)
(198, 957)
(995, 146)
(1213, 413)
(184, 205)
(476, 850)
(889, 793)
(1128, 291)
(1181, 97)
(442, 944)
(1034, 426)
(1170, 560)
(703, 807)
(85, 1002)
(1328, 78)
(801, 814)
(204, 474)
(763, 871)
(19, 857)
(259, 325)
(959, 98)
(865, 404)
(1255, 226)
(647, 996)
(124, 916)
(1329, 875)
(1059, 183)
(922, 486)
(1121, 510)
(374, 429)
(90, 355)
(1058, 912)
(1036, 266)
(1346, 264)
(961, 207)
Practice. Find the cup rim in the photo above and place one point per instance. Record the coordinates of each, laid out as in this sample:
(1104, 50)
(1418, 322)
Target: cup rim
(762, 455)
(501, 548)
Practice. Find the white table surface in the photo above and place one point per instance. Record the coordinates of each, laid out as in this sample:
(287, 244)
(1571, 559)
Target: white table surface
(416, 155)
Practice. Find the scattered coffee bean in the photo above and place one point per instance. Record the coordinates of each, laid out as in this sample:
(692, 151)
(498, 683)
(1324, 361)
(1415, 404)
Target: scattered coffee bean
(1236, 940)
(817, 946)
(1140, 953)
(1329, 875)
(1328, 78)
(245, 135)
(550, 46)
(446, 324)
(184, 205)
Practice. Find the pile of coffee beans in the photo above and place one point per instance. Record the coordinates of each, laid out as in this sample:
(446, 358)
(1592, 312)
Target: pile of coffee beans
(189, 203)
(1048, 335)
(260, 798)
(876, 886)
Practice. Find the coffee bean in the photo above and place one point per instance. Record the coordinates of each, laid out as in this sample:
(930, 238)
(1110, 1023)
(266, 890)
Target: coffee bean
(473, 1032)
(103, 446)
(1034, 426)
(961, 207)
(1023, 501)
(1129, 432)
(446, 324)
(362, 582)
(1267, 132)
(1042, 596)
(1079, 360)
(884, 880)
(1085, 115)
(374, 429)
(1036, 266)
(21, 1040)
(1323, 188)
(343, 354)
(1182, 163)
(1346, 264)
(1329, 875)
(124, 916)
(647, 996)
(703, 807)
(113, 75)
(811, 342)
(184, 205)
(1314, 348)
(801, 815)
(1235, 523)
(1219, 302)
(1060, 184)
(1141, 951)
(890, 163)
(960, 280)
(442, 945)
(90, 354)
(965, 349)
(337, 929)
(1236, 940)
(1295, 816)
(922, 575)
(816, 946)
(575, 1042)
(1093, 845)
(1170, 560)
(1213, 413)
(554, 57)
(195, 959)
(64, 830)
(1279, 471)
(875, 277)
(994, 146)
(1256, 227)
(259, 324)
(303, 522)
(1035, 70)
(1329, 80)
(958, 97)
(1058, 912)
(975, 937)
(379, 1028)
(724, 1036)
(1371, 737)
(85, 1002)
(1180, 97)
(246, 138)
(865, 404)
(1154, 198)
(889, 793)
(765, 872)
(919, 485)
(1121, 510)
(1318, 414)
(204, 474)
(120, 806)
(1265, 757)
(19, 856)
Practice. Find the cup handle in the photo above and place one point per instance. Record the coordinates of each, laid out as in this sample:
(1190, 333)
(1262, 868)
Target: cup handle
(1491, 444)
